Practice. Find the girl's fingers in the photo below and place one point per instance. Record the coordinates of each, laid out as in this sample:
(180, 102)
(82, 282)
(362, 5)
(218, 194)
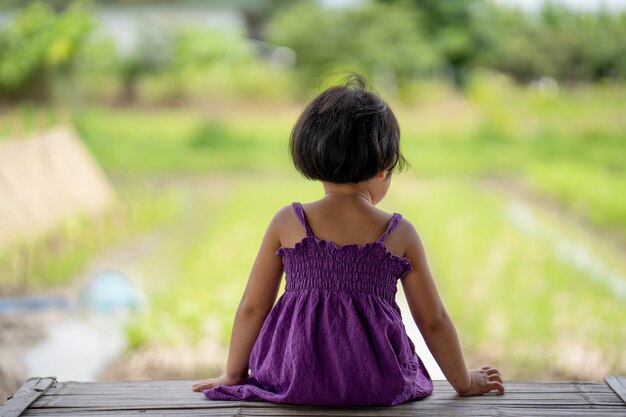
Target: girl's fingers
(491, 371)
(496, 377)
(495, 385)
(202, 386)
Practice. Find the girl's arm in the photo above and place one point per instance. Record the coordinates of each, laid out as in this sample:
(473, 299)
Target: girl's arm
(257, 301)
(436, 327)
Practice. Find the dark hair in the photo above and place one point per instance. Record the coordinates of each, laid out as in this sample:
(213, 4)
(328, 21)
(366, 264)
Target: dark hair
(347, 134)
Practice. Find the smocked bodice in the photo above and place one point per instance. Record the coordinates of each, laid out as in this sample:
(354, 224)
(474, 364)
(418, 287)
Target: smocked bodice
(321, 264)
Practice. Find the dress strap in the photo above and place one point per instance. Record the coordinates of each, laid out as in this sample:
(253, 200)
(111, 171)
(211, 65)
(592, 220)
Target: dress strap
(297, 208)
(393, 223)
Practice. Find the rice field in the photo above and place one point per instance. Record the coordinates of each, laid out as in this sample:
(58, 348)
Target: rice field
(518, 198)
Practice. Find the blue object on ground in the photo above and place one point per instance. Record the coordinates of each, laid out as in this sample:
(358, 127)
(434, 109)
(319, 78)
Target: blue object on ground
(108, 291)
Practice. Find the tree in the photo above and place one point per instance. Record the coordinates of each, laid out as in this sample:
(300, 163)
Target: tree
(38, 44)
(570, 46)
(368, 39)
(457, 29)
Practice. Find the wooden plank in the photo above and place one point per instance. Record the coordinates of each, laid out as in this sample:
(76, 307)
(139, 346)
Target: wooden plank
(152, 393)
(167, 401)
(184, 387)
(25, 396)
(234, 412)
(530, 412)
(158, 398)
(617, 384)
(391, 412)
(152, 401)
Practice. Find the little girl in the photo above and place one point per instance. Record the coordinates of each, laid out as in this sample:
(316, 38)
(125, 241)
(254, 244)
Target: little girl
(335, 337)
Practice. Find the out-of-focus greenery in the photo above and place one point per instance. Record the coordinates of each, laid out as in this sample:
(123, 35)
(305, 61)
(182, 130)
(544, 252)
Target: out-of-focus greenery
(176, 65)
(55, 257)
(513, 301)
(375, 38)
(568, 46)
(37, 44)
(498, 130)
(435, 37)
(185, 141)
(391, 41)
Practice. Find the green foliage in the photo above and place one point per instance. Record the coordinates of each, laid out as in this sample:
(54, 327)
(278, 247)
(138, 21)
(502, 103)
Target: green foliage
(179, 58)
(197, 49)
(566, 45)
(456, 29)
(510, 297)
(450, 38)
(567, 146)
(175, 141)
(152, 53)
(504, 287)
(56, 257)
(38, 43)
(368, 39)
(392, 42)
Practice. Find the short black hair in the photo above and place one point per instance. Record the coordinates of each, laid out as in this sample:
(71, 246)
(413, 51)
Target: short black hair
(347, 134)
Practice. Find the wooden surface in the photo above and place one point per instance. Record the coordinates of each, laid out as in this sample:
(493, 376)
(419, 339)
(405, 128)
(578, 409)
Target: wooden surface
(28, 392)
(175, 398)
(618, 384)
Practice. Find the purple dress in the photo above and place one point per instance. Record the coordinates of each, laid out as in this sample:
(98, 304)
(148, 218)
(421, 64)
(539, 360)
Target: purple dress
(335, 337)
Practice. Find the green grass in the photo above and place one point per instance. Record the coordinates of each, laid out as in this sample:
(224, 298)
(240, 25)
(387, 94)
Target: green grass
(212, 268)
(57, 256)
(133, 141)
(512, 298)
(570, 147)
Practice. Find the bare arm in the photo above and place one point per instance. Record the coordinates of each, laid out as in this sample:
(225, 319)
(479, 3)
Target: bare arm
(257, 301)
(437, 328)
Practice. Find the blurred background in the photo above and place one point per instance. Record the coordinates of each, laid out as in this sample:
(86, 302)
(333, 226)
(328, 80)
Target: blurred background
(143, 150)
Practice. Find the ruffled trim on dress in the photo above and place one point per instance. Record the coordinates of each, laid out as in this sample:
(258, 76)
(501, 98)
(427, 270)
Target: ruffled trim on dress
(350, 248)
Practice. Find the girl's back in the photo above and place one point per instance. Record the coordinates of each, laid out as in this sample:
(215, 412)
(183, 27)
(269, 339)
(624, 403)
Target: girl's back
(342, 220)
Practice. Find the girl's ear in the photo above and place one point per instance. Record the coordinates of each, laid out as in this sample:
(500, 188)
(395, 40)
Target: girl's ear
(382, 174)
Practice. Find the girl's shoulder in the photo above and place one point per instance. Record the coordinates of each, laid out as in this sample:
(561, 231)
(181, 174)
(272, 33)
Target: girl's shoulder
(284, 213)
(285, 217)
(285, 226)
(413, 247)
(404, 236)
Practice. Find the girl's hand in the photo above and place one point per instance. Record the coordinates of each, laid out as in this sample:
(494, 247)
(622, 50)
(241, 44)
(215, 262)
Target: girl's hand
(484, 380)
(214, 382)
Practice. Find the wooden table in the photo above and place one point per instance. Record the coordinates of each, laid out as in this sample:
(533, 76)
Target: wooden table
(47, 397)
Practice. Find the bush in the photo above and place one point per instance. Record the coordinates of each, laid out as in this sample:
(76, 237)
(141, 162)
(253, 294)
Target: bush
(379, 40)
(38, 44)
